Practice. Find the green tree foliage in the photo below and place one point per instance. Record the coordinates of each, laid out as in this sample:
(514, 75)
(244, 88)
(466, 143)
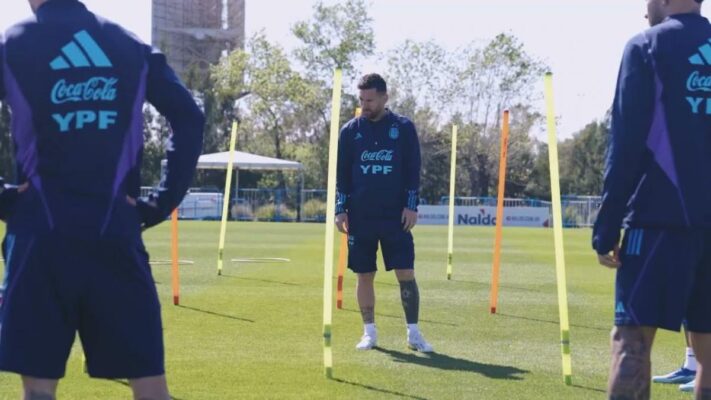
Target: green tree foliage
(287, 114)
(584, 160)
(335, 37)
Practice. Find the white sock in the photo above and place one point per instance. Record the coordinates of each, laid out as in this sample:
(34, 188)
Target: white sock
(369, 329)
(690, 361)
(412, 329)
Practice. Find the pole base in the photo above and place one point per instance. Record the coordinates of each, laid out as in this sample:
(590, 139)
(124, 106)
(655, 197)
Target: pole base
(176, 300)
(568, 380)
(339, 304)
(493, 310)
(329, 373)
(449, 277)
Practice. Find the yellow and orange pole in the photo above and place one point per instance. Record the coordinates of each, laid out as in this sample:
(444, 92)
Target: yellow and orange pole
(495, 270)
(342, 257)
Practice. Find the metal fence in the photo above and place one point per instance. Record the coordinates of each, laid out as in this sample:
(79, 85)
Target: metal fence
(280, 205)
(580, 211)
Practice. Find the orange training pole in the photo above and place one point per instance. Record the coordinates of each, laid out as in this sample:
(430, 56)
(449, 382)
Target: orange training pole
(174, 255)
(342, 251)
(499, 214)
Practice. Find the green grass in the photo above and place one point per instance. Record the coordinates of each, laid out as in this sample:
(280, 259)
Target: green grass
(255, 332)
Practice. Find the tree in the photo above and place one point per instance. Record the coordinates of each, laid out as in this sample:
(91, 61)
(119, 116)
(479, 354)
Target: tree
(421, 74)
(494, 78)
(539, 182)
(156, 132)
(585, 160)
(279, 97)
(334, 38)
(521, 158)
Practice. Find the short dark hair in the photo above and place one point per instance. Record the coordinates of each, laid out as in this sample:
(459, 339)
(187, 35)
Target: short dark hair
(373, 81)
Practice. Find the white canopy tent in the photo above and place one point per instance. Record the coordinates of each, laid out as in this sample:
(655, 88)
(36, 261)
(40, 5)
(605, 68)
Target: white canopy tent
(248, 162)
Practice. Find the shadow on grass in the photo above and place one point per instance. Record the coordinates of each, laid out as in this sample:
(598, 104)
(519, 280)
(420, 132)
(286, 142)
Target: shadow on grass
(447, 363)
(216, 314)
(589, 388)
(402, 317)
(375, 389)
(547, 321)
(124, 382)
(487, 286)
(259, 280)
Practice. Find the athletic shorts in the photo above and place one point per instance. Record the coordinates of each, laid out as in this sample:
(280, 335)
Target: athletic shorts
(364, 237)
(665, 278)
(57, 285)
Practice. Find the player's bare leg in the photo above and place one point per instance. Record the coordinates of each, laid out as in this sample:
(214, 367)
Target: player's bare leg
(150, 388)
(410, 297)
(630, 372)
(365, 292)
(39, 389)
(701, 342)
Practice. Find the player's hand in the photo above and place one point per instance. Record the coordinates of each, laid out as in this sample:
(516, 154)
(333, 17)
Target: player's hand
(610, 260)
(9, 196)
(409, 219)
(342, 222)
(149, 212)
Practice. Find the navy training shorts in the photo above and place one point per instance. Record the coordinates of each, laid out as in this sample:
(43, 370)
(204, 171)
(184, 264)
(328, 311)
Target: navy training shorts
(665, 278)
(103, 288)
(364, 237)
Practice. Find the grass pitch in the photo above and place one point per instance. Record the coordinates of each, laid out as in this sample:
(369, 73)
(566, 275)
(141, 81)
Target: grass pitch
(255, 332)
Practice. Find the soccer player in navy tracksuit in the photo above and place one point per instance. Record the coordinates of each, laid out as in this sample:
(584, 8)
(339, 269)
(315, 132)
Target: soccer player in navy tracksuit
(378, 181)
(658, 181)
(75, 261)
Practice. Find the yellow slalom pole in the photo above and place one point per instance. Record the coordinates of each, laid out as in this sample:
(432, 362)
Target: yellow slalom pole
(452, 184)
(174, 256)
(226, 200)
(330, 225)
(558, 232)
(342, 253)
(494, 295)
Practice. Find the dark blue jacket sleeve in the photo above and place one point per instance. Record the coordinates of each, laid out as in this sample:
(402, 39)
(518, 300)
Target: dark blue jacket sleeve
(168, 95)
(412, 164)
(632, 114)
(344, 177)
(2, 69)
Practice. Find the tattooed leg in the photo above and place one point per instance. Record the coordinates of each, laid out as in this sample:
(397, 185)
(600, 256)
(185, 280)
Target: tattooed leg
(630, 374)
(39, 389)
(366, 297)
(701, 343)
(410, 296)
(150, 388)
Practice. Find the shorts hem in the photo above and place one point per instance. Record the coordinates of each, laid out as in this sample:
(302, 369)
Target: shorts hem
(125, 375)
(31, 373)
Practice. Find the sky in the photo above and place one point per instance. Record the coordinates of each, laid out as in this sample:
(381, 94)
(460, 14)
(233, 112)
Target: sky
(580, 40)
